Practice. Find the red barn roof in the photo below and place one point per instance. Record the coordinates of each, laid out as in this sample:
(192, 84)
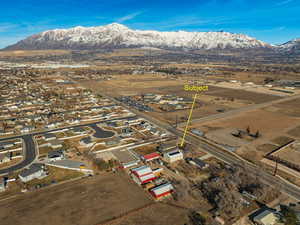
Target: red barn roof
(151, 156)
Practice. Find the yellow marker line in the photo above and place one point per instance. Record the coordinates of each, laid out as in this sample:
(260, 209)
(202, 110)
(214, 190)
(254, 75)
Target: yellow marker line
(188, 122)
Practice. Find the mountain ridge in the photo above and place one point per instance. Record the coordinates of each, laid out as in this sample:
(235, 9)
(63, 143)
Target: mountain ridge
(117, 36)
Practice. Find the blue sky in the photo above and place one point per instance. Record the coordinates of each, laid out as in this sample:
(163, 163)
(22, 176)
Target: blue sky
(273, 21)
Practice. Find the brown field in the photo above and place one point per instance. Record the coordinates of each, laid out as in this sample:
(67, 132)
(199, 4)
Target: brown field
(156, 214)
(32, 53)
(245, 95)
(282, 140)
(146, 149)
(295, 132)
(270, 124)
(290, 108)
(136, 85)
(289, 154)
(214, 99)
(266, 148)
(86, 202)
(123, 52)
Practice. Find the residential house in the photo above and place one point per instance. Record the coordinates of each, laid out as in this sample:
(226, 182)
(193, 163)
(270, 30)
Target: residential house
(34, 171)
(154, 131)
(49, 137)
(265, 216)
(86, 142)
(165, 147)
(197, 162)
(6, 157)
(126, 132)
(56, 155)
(2, 184)
(56, 144)
(113, 141)
(132, 120)
(112, 124)
(78, 130)
(7, 144)
(173, 156)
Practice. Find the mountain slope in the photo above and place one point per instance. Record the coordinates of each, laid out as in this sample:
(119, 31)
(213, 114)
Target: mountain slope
(117, 36)
(291, 46)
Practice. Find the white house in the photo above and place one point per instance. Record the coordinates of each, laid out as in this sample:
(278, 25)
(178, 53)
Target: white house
(173, 156)
(56, 155)
(87, 142)
(2, 185)
(34, 171)
(5, 157)
(27, 129)
(49, 137)
(265, 217)
(55, 144)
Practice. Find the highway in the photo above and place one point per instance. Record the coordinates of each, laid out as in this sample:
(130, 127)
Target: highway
(223, 154)
(226, 156)
(288, 188)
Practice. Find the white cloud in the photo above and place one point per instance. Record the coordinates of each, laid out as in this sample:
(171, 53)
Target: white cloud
(128, 17)
(284, 2)
(4, 27)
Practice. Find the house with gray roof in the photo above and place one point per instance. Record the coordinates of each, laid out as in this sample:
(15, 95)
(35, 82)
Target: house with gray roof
(56, 155)
(34, 171)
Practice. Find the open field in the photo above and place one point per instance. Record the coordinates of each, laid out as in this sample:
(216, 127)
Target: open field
(156, 214)
(136, 84)
(270, 124)
(273, 128)
(89, 201)
(289, 154)
(295, 132)
(289, 108)
(210, 102)
(32, 53)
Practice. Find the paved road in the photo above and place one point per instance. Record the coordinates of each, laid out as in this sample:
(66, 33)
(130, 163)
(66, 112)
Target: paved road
(240, 110)
(222, 154)
(30, 148)
(266, 177)
(100, 133)
(30, 154)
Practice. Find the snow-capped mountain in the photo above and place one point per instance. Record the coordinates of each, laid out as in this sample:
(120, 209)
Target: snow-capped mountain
(292, 45)
(116, 35)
